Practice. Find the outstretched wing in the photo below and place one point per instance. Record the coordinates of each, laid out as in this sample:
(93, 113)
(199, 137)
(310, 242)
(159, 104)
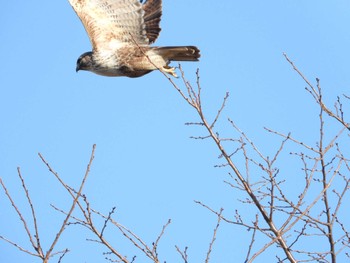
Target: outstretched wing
(152, 16)
(111, 24)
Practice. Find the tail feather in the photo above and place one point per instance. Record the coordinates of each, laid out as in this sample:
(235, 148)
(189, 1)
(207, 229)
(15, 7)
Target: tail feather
(180, 53)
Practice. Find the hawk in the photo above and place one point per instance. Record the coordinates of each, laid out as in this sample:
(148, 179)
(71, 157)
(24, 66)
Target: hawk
(121, 32)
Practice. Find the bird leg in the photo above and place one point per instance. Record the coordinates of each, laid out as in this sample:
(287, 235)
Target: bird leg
(169, 70)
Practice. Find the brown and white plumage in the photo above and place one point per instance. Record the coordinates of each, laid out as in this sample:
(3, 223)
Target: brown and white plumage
(121, 32)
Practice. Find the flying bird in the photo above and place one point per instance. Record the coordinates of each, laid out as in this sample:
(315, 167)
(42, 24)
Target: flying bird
(121, 32)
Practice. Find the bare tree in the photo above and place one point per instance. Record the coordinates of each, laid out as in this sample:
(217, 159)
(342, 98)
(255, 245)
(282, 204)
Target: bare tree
(284, 221)
(287, 221)
(37, 249)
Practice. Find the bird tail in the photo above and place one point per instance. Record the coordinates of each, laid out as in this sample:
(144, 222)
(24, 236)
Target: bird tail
(182, 53)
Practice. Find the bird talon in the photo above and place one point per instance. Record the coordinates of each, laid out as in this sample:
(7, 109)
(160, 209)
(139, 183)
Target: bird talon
(170, 70)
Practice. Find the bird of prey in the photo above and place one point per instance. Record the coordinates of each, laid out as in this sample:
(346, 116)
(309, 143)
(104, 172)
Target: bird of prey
(121, 32)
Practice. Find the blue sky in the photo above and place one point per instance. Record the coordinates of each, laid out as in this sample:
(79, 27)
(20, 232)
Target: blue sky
(146, 165)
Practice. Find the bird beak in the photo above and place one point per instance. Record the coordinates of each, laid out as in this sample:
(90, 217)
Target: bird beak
(77, 68)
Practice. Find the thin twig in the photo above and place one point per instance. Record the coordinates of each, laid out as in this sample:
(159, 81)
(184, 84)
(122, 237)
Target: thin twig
(183, 254)
(214, 236)
(220, 110)
(65, 221)
(155, 245)
(256, 223)
(38, 247)
(24, 222)
(316, 95)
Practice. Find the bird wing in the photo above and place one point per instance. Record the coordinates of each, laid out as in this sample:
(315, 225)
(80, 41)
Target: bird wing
(112, 24)
(152, 16)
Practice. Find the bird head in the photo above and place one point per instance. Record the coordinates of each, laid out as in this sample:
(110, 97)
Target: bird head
(84, 62)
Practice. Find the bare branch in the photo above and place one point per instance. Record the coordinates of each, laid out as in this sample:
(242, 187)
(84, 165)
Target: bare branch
(316, 95)
(19, 247)
(183, 253)
(214, 236)
(65, 222)
(220, 110)
(24, 222)
(38, 246)
(155, 245)
(256, 223)
(292, 139)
